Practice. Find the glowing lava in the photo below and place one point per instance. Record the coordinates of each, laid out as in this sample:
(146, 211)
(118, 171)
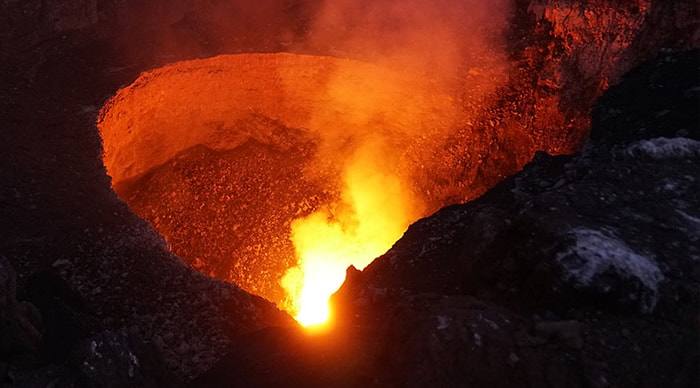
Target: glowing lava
(374, 212)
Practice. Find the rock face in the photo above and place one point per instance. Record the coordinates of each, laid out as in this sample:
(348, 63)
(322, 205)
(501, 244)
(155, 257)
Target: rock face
(564, 55)
(251, 195)
(593, 257)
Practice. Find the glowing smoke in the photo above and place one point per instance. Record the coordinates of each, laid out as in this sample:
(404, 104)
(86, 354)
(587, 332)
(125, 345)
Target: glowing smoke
(438, 40)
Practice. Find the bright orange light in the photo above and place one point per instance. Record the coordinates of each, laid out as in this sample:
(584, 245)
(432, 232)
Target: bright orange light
(375, 145)
(374, 212)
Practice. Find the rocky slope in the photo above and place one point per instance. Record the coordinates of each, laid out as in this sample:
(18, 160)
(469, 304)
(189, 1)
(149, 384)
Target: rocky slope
(577, 271)
(261, 187)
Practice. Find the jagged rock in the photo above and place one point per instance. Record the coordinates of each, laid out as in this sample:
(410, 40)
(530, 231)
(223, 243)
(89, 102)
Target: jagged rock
(582, 240)
(600, 241)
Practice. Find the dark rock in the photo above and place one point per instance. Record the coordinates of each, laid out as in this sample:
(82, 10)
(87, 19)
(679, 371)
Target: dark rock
(20, 322)
(46, 376)
(67, 319)
(3, 372)
(613, 247)
(658, 99)
(110, 359)
(279, 357)
(566, 331)
(591, 241)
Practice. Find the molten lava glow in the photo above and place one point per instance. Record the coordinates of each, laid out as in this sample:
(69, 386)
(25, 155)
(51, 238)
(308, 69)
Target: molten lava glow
(373, 214)
(368, 147)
